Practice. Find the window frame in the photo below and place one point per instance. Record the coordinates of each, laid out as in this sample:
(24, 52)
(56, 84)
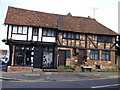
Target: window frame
(105, 53)
(70, 35)
(35, 29)
(104, 39)
(17, 31)
(49, 32)
(93, 54)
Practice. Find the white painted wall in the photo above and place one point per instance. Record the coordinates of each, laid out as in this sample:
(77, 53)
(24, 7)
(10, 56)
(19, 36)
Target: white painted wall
(24, 37)
(48, 39)
(35, 38)
(29, 33)
(40, 34)
(19, 37)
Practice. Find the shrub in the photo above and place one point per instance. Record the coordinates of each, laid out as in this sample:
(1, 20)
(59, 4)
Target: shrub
(70, 67)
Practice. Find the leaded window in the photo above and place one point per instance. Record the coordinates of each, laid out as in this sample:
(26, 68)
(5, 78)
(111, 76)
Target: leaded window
(106, 55)
(35, 31)
(19, 30)
(49, 32)
(105, 39)
(94, 55)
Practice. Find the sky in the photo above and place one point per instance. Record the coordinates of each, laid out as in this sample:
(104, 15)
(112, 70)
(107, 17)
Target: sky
(104, 11)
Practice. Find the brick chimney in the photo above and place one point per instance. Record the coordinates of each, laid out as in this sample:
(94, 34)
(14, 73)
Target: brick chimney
(89, 16)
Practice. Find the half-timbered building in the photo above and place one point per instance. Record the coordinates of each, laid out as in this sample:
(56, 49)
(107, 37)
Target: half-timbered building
(43, 40)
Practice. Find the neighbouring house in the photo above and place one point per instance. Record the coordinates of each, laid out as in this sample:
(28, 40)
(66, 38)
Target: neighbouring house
(3, 55)
(44, 40)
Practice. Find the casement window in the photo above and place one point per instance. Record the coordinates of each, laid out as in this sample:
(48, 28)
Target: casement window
(106, 55)
(105, 39)
(64, 35)
(49, 32)
(68, 54)
(35, 31)
(19, 30)
(94, 55)
(69, 35)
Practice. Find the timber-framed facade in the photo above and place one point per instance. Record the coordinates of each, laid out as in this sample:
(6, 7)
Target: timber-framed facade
(43, 40)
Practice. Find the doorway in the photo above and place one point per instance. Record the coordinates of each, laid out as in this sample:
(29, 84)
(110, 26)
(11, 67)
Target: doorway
(44, 57)
(61, 58)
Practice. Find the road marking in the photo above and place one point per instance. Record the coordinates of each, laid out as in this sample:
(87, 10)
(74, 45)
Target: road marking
(105, 86)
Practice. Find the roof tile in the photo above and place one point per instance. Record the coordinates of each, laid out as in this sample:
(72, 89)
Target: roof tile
(18, 16)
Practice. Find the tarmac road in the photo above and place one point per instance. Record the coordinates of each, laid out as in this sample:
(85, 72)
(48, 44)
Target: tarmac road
(100, 83)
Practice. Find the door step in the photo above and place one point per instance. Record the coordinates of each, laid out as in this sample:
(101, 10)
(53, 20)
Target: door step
(50, 70)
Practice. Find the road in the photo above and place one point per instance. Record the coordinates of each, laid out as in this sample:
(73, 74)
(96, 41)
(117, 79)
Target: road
(102, 83)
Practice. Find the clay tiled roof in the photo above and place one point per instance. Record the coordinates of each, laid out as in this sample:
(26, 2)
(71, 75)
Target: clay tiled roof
(17, 16)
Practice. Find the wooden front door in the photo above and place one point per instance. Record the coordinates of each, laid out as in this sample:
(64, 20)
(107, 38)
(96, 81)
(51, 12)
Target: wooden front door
(81, 56)
(61, 58)
(37, 62)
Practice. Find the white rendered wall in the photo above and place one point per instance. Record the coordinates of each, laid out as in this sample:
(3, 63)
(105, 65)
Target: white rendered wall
(48, 39)
(29, 33)
(40, 34)
(19, 37)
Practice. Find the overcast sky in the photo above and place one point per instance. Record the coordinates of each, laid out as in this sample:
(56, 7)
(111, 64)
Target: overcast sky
(106, 11)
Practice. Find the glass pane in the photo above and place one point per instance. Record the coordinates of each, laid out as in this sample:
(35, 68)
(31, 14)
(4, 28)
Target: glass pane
(103, 57)
(73, 35)
(53, 32)
(25, 30)
(14, 29)
(49, 33)
(107, 57)
(50, 49)
(77, 36)
(96, 56)
(64, 35)
(35, 31)
(20, 29)
(47, 59)
(69, 35)
(19, 58)
(44, 32)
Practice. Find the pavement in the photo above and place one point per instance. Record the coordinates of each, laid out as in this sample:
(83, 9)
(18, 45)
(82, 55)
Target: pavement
(56, 76)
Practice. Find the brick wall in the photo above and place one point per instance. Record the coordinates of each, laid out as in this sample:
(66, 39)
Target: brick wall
(103, 63)
(19, 68)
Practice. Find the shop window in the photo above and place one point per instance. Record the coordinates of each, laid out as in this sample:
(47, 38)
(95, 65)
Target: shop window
(47, 57)
(23, 55)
